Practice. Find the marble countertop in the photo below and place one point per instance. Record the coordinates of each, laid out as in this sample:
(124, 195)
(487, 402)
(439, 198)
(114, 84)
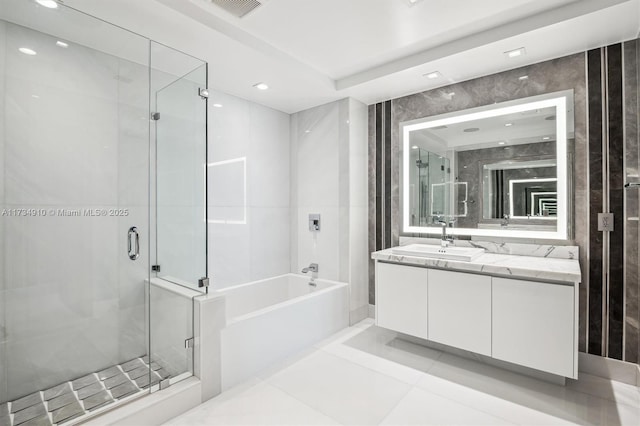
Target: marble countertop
(525, 267)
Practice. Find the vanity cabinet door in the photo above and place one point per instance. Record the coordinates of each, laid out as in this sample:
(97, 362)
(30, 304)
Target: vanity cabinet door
(534, 325)
(459, 307)
(401, 298)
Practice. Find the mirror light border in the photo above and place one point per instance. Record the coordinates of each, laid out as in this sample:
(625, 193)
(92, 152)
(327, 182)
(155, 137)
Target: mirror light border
(557, 100)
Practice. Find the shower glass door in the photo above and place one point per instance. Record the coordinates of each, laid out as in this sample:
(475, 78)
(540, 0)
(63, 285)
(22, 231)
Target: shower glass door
(74, 229)
(179, 111)
(181, 176)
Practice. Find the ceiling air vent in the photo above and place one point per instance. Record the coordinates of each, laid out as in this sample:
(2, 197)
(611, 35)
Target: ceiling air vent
(238, 8)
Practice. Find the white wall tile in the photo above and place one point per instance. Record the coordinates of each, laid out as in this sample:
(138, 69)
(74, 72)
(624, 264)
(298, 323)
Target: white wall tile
(317, 156)
(329, 175)
(71, 70)
(229, 249)
(319, 247)
(229, 127)
(209, 315)
(315, 171)
(258, 137)
(269, 229)
(39, 136)
(358, 210)
(268, 170)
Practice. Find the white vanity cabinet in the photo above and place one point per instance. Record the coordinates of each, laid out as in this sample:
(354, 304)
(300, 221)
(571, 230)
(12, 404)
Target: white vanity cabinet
(459, 310)
(533, 325)
(401, 298)
(528, 323)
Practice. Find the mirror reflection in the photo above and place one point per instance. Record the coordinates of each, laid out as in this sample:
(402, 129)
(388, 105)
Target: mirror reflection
(501, 167)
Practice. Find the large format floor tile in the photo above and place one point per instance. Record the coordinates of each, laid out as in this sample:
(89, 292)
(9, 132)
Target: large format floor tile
(366, 375)
(424, 408)
(491, 404)
(347, 392)
(261, 404)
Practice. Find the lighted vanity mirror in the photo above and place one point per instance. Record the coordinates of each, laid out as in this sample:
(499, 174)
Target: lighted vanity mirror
(498, 170)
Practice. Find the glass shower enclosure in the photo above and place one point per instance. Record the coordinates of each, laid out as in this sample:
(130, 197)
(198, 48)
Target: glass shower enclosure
(102, 179)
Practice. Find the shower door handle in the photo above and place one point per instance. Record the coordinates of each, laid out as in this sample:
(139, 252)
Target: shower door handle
(133, 243)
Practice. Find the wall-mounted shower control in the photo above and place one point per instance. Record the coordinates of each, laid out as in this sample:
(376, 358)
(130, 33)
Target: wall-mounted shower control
(605, 222)
(314, 222)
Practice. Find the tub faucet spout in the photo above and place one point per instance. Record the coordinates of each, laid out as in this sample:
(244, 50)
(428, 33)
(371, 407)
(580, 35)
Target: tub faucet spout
(311, 268)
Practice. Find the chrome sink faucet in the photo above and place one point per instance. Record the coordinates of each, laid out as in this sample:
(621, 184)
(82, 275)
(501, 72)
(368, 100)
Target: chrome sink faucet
(445, 240)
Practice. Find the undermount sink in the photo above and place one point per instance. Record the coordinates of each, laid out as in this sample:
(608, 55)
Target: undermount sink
(466, 254)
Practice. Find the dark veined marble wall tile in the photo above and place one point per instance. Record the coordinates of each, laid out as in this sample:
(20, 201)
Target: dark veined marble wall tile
(594, 84)
(616, 200)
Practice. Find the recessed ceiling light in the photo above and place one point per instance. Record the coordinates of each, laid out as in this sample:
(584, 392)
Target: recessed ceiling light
(307, 131)
(546, 138)
(217, 105)
(61, 44)
(414, 147)
(48, 3)
(523, 77)
(501, 143)
(412, 2)
(261, 86)
(35, 96)
(515, 52)
(27, 51)
(508, 124)
(432, 75)
(471, 130)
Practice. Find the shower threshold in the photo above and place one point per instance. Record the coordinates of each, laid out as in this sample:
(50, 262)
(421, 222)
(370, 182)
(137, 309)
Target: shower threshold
(83, 397)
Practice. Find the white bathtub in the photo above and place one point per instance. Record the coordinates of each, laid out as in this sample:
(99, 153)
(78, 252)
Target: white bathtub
(269, 320)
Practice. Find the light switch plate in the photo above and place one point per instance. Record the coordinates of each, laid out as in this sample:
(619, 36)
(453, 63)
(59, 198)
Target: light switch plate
(605, 222)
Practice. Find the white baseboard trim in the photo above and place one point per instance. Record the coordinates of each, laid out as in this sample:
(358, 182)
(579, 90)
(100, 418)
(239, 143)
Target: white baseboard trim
(612, 369)
(357, 315)
(154, 409)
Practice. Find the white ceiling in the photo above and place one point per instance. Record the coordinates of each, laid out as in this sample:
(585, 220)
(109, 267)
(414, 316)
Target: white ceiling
(315, 51)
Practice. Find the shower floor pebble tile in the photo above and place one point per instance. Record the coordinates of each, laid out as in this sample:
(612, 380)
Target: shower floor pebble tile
(364, 375)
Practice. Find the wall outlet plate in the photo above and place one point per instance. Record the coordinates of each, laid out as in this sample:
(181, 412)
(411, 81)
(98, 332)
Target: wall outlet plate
(605, 222)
